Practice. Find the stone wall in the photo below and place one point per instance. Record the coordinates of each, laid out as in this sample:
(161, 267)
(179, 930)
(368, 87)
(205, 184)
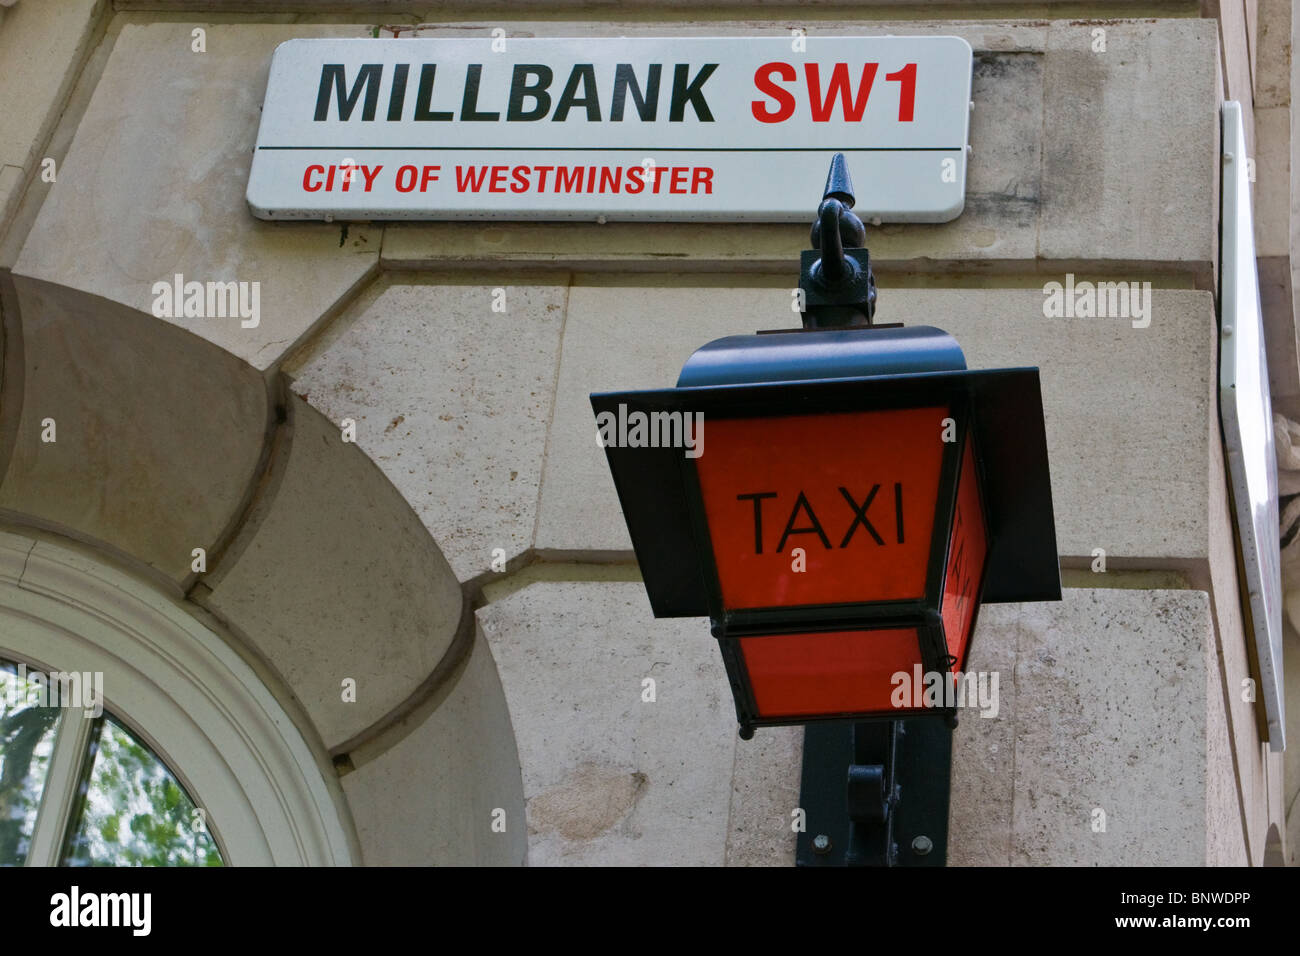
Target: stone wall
(464, 560)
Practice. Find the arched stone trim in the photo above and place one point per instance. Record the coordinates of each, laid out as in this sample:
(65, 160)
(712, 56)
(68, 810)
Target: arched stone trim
(187, 694)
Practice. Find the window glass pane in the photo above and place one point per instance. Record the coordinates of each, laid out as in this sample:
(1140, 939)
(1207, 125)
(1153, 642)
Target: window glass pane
(26, 742)
(133, 812)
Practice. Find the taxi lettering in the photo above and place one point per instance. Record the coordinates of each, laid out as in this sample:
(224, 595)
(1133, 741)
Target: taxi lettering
(803, 519)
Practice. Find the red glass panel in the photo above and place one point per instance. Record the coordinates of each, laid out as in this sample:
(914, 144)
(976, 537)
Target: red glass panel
(834, 672)
(856, 491)
(967, 552)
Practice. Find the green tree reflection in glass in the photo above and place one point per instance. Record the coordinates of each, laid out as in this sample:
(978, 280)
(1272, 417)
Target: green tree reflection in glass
(26, 742)
(133, 812)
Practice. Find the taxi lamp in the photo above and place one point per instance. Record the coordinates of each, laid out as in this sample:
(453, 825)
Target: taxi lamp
(839, 500)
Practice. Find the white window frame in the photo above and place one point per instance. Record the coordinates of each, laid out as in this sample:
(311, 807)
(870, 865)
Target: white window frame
(268, 798)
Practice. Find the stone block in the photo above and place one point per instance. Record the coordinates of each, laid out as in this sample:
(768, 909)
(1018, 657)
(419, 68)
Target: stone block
(157, 434)
(1128, 410)
(333, 578)
(610, 777)
(452, 399)
(432, 798)
(153, 186)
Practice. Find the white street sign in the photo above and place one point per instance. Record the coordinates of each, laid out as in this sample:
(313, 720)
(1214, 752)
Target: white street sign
(719, 128)
(1247, 411)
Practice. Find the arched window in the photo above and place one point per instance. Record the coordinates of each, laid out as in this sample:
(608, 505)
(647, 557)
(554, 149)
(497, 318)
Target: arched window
(163, 745)
(113, 802)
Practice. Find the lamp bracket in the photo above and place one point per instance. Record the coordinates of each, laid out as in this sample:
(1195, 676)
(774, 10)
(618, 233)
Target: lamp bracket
(875, 793)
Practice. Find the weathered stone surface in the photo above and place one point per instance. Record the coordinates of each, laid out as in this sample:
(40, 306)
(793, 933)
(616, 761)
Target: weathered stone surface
(431, 799)
(452, 398)
(1271, 190)
(611, 778)
(1291, 668)
(153, 185)
(1124, 185)
(1074, 731)
(1232, 661)
(1225, 839)
(984, 750)
(1128, 410)
(40, 46)
(1273, 60)
(764, 793)
(338, 579)
(645, 348)
(157, 434)
(1107, 701)
(1236, 50)
(1119, 684)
